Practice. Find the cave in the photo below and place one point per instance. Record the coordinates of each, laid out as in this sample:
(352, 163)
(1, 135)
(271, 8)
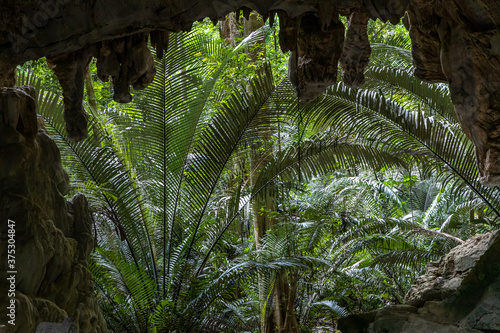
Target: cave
(454, 42)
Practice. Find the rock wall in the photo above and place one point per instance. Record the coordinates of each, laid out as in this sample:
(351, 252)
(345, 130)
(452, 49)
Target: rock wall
(460, 293)
(47, 279)
(458, 42)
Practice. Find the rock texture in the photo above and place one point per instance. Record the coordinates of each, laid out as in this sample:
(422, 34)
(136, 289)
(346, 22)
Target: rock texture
(53, 236)
(314, 55)
(459, 42)
(127, 60)
(356, 52)
(459, 293)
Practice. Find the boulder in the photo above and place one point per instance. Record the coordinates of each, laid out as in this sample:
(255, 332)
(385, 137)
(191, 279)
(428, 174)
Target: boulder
(459, 293)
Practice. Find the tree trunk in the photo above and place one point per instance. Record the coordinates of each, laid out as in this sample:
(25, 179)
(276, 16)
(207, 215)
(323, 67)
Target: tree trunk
(279, 314)
(89, 86)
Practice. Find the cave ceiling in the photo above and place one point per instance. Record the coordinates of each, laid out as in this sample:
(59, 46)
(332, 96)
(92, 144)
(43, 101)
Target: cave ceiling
(453, 41)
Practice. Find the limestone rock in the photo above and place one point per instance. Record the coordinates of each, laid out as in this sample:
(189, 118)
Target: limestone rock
(459, 293)
(356, 53)
(53, 236)
(314, 58)
(19, 110)
(458, 42)
(7, 74)
(464, 265)
(128, 61)
(70, 70)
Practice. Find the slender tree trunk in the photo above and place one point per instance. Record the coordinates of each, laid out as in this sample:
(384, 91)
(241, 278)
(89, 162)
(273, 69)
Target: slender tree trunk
(279, 314)
(263, 205)
(284, 294)
(90, 90)
(291, 324)
(89, 86)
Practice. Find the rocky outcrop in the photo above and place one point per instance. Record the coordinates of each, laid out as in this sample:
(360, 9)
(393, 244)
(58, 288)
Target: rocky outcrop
(459, 293)
(356, 53)
(315, 54)
(45, 240)
(459, 42)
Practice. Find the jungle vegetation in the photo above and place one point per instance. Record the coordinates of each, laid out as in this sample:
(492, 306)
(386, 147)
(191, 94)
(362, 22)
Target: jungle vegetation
(222, 203)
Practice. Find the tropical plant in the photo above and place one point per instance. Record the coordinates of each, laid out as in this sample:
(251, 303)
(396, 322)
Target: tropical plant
(171, 188)
(150, 192)
(384, 230)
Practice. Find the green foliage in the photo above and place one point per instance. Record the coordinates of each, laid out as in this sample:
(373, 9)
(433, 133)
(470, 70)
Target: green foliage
(48, 79)
(367, 186)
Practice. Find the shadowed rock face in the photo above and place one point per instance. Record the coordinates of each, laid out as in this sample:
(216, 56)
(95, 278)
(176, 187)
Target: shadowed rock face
(459, 42)
(314, 59)
(70, 70)
(53, 236)
(126, 60)
(454, 41)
